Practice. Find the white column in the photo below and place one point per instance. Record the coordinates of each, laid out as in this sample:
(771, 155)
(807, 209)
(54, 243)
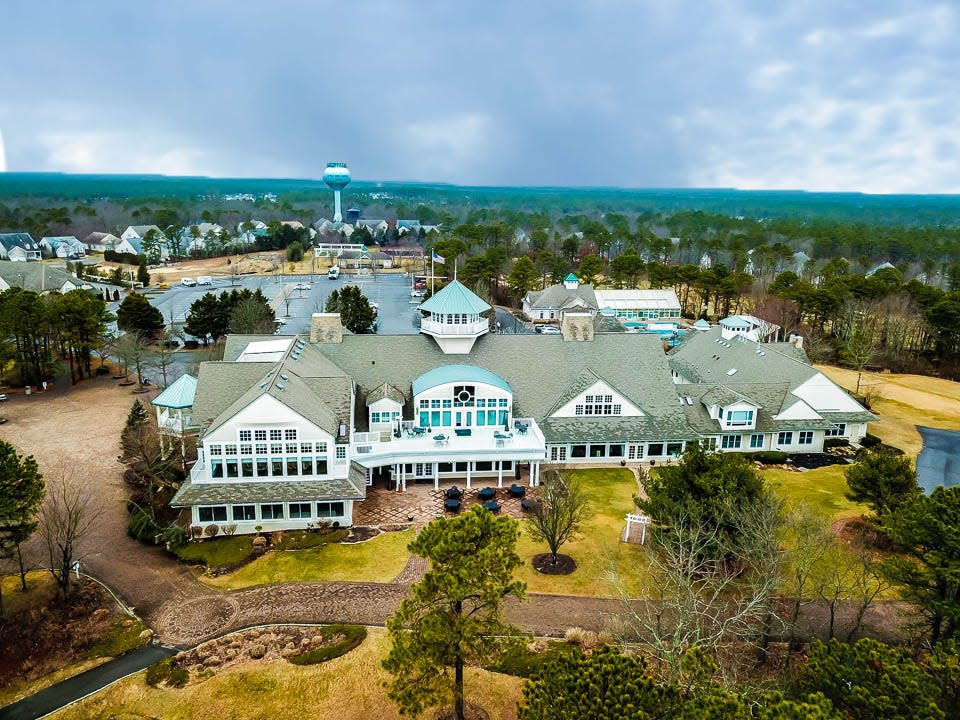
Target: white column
(530, 481)
(499, 473)
(403, 474)
(468, 475)
(436, 476)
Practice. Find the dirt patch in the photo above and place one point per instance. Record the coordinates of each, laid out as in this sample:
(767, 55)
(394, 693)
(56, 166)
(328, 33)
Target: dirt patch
(252, 264)
(857, 531)
(564, 565)
(41, 638)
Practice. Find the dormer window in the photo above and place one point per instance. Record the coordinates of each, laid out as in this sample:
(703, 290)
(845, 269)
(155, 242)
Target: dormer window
(739, 418)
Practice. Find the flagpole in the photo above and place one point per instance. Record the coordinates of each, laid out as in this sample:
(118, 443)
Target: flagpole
(432, 271)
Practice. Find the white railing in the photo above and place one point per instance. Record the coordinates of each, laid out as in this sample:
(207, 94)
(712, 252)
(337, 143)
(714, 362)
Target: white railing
(366, 438)
(442, 328)
(196, 472)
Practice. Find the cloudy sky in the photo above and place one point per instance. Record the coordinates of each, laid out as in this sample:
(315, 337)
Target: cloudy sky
(834, 95)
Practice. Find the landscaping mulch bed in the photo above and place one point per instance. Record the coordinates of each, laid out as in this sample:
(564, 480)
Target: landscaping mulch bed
(544, 564)
(812, 461)
(359, 534)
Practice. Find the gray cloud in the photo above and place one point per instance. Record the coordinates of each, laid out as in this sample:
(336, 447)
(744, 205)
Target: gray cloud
(814, 95)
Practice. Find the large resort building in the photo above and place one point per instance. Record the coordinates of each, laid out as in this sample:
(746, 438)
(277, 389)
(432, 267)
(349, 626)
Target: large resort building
(293, 430)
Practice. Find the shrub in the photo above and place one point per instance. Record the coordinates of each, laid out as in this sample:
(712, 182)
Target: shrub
(175, 535)
(352, 636)
(870, 440)
(211, 530)
(835, 442)
(141, 526)
(196, 532)
(521, 661)
(166, 672)
(230, 529)
(769, 457)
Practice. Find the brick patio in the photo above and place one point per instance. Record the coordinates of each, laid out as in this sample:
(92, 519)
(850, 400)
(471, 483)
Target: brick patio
(420, 504)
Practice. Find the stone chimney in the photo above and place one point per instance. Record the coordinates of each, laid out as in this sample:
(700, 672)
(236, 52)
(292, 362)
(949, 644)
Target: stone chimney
(796, 341)
(326, 328)
(577, 326)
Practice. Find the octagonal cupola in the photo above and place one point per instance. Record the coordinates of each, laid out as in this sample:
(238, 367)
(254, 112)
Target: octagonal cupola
(453, 317)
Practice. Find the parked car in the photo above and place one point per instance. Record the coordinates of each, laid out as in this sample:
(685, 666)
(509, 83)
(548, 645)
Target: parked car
(3, 397)
(204, 280)
(188, 282)
(333, 273)
(539, 328)
(550, 330)
(302, 286)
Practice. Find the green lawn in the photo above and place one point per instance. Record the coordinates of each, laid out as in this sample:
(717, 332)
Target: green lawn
(216, 552)
(821, 489)
(378, 560)
(610, 491)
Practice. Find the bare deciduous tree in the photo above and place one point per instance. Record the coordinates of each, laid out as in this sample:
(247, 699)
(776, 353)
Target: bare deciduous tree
(66, 517)
(561, 508)
(707, 589)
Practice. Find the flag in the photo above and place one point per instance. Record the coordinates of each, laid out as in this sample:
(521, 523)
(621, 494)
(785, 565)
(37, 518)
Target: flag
(439, 258)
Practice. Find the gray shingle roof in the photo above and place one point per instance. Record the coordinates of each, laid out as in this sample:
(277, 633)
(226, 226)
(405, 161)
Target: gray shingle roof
(540, 369)
(385, 391)
(35, 276)
(558, 296)
(22, 240)
(272, 491)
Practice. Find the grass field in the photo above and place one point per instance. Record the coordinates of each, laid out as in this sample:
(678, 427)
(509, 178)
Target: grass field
(378, 560)
(822, 490)
(347, 688)
(610, 491)
(903, 401)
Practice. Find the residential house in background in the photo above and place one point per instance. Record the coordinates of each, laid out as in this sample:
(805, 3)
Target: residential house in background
(65, 246)
(139, 231)
(40, 278)
(19, 247)
(98, 242)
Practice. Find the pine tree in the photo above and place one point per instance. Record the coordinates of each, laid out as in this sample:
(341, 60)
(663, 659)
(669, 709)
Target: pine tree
(21, 492)
(453, 615)
(132, 435)
(883, 481)
(143, 275)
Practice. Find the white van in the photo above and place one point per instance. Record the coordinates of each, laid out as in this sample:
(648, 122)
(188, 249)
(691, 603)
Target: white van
(333, 273)
(188, 282)
(204, 280)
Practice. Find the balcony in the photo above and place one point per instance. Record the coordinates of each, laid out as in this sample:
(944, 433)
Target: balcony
(377, 449)
(469, 329)
(173, 425)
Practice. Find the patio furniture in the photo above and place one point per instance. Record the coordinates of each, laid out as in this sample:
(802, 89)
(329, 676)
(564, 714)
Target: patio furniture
(517, 491)
(492, 505)
(451, 505)
(528, 505)
(487, 493)
(453, 492)
(522, 429)
(419, 432)
(440, 439)
(463, 432)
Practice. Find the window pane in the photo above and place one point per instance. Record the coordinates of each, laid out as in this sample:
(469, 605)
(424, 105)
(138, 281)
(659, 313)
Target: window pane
(578, 451)
(262, 468)
(232, 471)
(276, 467)
(292, 467)
(321, 466)
(306, 466)
(246, 468)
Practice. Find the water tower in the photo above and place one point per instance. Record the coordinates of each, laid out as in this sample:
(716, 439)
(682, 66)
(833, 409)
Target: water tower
(337, 176)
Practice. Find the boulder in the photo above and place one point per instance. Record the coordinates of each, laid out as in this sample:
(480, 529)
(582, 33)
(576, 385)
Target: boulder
(146, 634)
(257, 651)
(99, 614)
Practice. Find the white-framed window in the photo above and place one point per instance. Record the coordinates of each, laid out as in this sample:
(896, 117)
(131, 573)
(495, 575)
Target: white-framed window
(290, 434)
(838, 430)
(246, 436)
(246, 449)
(634, 451)
(276, 448)
(212, 513)
(273, 511)
(329, 509)
(300, 511)
(739, 418)
(321, 447)
(259, 435)
(276, 434)
(806, 437)
(595, 405)
(341, 452)
(784, 437)
(756, 441)
(230, 449)
(261, 448)
(709, 443)
(730, 442)
(244, 512)
(558, 453)
(216, 450)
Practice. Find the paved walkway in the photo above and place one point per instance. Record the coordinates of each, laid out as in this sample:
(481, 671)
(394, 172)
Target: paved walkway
(86, 683)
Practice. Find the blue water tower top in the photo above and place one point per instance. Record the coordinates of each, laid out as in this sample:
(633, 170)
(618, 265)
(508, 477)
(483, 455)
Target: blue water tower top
(337, 176)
